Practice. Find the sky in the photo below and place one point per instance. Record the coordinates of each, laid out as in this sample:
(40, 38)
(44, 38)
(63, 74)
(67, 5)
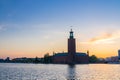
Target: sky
(30, 28)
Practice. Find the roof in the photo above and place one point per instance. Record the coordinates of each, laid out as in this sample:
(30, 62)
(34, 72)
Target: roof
(81, 54)
(61, 54)
(66, 54)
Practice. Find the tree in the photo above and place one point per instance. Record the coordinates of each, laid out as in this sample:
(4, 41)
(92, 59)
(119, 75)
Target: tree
(36, 60)
(93, 59)
(46, 58)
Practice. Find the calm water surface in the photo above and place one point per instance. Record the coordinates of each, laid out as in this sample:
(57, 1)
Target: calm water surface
(15, 71)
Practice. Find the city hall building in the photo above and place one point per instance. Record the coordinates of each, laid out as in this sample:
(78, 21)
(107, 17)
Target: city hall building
(71, 57)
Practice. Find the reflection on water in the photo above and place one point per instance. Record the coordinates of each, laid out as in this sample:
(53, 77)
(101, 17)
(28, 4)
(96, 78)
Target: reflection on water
(71, 73)
(11, 71)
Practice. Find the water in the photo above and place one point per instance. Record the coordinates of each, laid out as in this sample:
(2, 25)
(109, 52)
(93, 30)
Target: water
(15, 71)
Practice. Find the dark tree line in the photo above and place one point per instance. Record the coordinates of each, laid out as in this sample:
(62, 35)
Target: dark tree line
(47, 58)
(93, 59)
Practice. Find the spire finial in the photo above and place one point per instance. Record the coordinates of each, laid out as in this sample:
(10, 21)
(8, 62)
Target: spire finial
(71, 27)
(71, 33)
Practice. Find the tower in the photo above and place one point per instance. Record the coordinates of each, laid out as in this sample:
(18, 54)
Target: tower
(71, 48)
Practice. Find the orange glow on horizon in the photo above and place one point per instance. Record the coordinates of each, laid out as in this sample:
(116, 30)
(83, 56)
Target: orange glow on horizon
(102, 46)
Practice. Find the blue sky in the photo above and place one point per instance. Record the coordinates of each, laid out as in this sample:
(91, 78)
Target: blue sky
(41, 26)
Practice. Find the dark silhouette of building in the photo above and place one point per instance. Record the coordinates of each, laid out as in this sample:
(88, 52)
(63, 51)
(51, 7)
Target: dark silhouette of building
(72, 57)
(119, 54)
(71, 48)
(7, 59)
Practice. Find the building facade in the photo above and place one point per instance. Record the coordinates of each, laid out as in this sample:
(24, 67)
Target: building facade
(71, 57)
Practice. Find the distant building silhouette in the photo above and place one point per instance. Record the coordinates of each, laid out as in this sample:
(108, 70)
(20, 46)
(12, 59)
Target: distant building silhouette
(7, 59)
(71, 57)
(119, 54)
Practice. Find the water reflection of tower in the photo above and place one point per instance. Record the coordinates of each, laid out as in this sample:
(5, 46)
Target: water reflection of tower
(71, 73)
(71, 48)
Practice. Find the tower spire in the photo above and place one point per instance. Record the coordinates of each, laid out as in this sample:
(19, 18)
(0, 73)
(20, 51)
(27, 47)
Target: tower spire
(71, 34)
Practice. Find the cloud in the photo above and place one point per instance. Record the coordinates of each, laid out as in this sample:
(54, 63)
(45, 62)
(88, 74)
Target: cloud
(2, 28)
(104, 38)
(101, 37)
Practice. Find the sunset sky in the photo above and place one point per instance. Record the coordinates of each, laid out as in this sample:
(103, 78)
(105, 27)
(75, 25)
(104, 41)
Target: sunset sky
(30, 28)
